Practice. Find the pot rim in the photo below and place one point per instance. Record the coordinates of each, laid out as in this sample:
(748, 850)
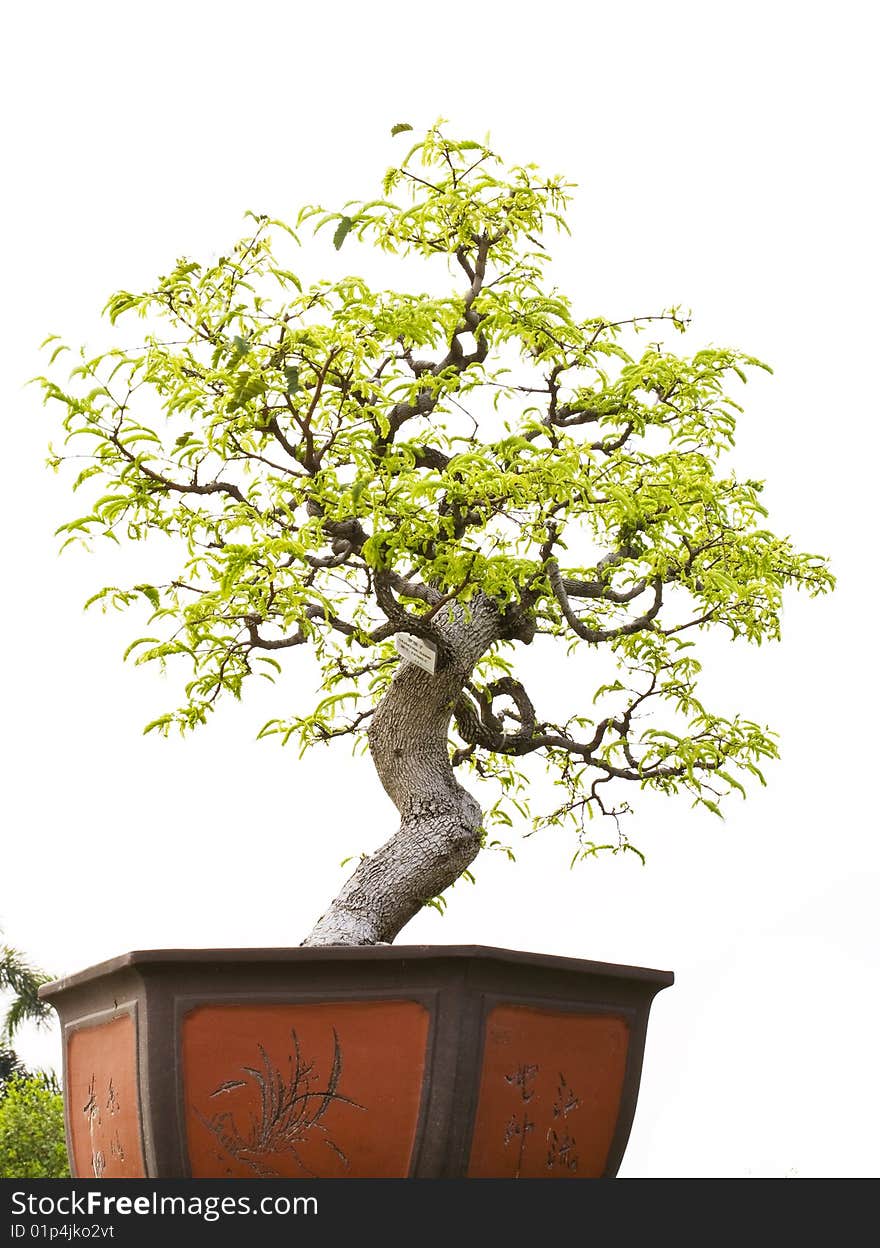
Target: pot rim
(305, 954)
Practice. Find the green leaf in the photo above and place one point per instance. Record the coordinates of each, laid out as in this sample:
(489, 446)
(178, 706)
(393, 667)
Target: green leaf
(248, 386)
(400, 127)
(139, 641)
(151, 593)
(342, 230)
(292, 375)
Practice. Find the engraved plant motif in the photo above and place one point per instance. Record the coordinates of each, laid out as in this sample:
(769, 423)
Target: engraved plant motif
(289, 1110)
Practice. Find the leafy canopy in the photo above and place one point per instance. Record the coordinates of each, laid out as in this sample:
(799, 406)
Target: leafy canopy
(337, 464)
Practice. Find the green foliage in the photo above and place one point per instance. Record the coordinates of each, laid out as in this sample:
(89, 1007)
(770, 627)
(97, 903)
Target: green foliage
(25, 982)
(11, 1067)
(337, 464)
(32, 1142)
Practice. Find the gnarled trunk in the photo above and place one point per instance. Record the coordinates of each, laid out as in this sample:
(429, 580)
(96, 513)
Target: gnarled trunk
(440, 823)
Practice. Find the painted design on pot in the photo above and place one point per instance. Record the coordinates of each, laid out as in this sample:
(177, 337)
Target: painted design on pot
(289, 1110)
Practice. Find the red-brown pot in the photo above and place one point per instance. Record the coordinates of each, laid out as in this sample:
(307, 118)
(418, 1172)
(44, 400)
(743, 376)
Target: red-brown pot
(380, 1062)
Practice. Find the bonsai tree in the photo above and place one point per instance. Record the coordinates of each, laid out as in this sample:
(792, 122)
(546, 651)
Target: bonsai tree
(414, 484)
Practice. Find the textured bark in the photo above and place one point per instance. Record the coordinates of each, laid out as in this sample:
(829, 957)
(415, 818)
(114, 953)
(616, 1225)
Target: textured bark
(440, 822)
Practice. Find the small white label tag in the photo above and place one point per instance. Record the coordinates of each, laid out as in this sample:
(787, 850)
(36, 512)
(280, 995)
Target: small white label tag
(416, 650)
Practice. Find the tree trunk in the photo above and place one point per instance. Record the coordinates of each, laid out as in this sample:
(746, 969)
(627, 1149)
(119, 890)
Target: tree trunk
(440, 823)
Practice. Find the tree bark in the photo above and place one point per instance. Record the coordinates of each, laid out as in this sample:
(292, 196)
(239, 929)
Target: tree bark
(440, 829)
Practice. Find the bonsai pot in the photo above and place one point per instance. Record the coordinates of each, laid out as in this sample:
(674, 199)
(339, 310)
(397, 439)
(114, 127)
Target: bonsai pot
(374, 1062)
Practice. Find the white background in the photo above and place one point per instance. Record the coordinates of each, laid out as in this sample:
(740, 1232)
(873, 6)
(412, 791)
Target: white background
(725, 156)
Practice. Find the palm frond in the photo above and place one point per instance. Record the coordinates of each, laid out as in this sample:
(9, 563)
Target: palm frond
(17, 975)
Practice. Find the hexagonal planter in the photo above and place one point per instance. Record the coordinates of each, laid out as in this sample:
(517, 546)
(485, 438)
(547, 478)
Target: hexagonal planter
(378, 1062)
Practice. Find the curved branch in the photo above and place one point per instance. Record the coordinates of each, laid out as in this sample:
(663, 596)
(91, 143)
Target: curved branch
(598, 589)
(402, 621)
(608, 446)
(177, 487)
(644, 621)
(314, 612)
(455, 356)
(414, 589)
(430, 457)
(478, 725)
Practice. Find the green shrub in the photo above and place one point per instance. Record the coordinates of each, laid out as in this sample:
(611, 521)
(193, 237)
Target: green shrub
(32, 1144)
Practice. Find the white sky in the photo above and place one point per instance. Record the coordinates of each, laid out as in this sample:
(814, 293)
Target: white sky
(726, 158)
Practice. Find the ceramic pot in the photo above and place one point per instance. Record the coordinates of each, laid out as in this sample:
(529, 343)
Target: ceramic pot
(379, 1062)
